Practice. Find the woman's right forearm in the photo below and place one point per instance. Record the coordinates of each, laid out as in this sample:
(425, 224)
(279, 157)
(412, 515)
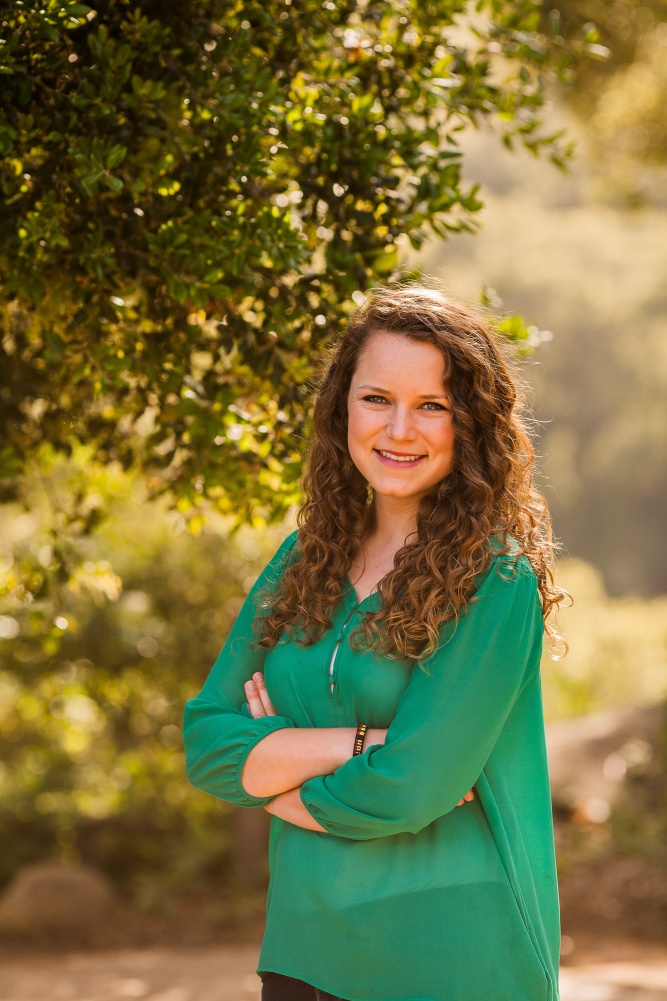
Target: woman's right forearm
(287, 758)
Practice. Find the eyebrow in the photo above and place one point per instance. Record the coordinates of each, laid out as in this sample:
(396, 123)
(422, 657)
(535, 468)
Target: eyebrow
(422, 396)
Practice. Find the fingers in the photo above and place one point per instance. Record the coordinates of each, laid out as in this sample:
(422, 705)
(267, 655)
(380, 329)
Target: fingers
(254, 702)
(259, 702)
(467, 798)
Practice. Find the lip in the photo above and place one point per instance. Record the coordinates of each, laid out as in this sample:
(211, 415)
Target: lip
(396, 452)
(397, 463)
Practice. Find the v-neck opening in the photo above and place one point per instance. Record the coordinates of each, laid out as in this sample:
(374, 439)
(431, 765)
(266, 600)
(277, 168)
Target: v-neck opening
(353, 593)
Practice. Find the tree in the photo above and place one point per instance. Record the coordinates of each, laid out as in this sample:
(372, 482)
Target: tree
(91, 756)
(196, 195)
(193, 195)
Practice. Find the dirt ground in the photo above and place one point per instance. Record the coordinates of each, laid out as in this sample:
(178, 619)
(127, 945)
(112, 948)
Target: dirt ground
(615, 971)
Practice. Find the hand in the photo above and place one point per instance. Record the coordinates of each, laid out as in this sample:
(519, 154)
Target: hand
(259, 702)
(468, 796)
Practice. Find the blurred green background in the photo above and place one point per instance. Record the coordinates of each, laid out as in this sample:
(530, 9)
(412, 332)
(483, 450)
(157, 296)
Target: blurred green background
(127, 543)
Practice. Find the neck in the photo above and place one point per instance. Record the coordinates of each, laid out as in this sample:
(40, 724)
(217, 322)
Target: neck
(395, 518)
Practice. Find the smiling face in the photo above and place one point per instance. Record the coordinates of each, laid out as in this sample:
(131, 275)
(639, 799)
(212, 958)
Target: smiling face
(397, 405)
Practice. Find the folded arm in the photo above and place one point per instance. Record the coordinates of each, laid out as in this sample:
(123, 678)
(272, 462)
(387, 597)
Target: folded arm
(284, 759)
(447, 721)
(281, 762)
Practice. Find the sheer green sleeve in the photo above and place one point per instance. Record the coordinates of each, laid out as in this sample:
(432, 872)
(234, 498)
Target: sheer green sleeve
(447, 722)
(218, 730)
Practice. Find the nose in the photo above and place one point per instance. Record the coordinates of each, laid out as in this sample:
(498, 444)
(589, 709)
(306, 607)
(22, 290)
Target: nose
(400, 425)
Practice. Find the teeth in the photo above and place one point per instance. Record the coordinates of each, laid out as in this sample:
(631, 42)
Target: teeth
(399, 458)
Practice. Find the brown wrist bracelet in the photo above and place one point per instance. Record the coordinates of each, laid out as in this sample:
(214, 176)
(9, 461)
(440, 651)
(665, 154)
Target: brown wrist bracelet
(359, 739)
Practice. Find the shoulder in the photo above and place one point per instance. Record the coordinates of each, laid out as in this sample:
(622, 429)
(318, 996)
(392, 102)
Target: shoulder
(281, 557)
(283, 554)
(289, 542)
(270, 577)
(506, 553)
(508, 570)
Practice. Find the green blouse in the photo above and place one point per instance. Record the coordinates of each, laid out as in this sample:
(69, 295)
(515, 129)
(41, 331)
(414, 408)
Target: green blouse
(408, 897)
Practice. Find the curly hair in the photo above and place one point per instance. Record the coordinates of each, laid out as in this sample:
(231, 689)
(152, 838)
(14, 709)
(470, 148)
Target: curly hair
(487, 494)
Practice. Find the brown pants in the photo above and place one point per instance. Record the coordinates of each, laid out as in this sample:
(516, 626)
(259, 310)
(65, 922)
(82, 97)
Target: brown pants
(277, 987)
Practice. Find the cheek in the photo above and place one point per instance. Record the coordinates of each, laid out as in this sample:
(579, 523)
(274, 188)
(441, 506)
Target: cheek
(360, 426)
(446, 441)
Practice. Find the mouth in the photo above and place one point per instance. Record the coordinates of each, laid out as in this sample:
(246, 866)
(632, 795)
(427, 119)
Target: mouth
(396, 461)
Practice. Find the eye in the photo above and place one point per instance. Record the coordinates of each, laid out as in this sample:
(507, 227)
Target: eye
(429, 403)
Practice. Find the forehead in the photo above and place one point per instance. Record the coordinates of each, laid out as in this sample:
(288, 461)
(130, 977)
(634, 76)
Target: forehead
(389, 357)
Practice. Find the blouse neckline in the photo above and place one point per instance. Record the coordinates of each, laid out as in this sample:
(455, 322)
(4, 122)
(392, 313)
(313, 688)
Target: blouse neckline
(351, 593)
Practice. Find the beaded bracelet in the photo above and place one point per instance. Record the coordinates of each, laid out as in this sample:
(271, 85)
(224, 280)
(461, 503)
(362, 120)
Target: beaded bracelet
(359, 738)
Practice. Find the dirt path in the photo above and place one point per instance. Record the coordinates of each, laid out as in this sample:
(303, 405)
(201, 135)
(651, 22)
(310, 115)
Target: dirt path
(228, 974)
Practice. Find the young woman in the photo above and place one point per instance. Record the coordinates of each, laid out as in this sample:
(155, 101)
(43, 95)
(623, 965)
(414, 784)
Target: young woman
(413, 861)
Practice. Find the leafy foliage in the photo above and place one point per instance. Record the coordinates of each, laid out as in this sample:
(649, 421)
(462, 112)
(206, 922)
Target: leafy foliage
(90, 713)
(195, 195)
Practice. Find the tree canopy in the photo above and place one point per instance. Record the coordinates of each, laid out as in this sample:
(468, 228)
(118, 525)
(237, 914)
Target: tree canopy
(196, 195)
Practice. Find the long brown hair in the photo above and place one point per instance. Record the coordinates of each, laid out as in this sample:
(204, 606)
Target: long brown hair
(488, 493)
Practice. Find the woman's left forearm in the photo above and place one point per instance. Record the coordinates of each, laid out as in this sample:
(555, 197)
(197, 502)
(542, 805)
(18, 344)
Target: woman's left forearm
(288, 806)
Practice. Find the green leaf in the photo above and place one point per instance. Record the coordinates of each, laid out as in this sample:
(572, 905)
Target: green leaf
(115, 156)
(115, 183)
(49, 32)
